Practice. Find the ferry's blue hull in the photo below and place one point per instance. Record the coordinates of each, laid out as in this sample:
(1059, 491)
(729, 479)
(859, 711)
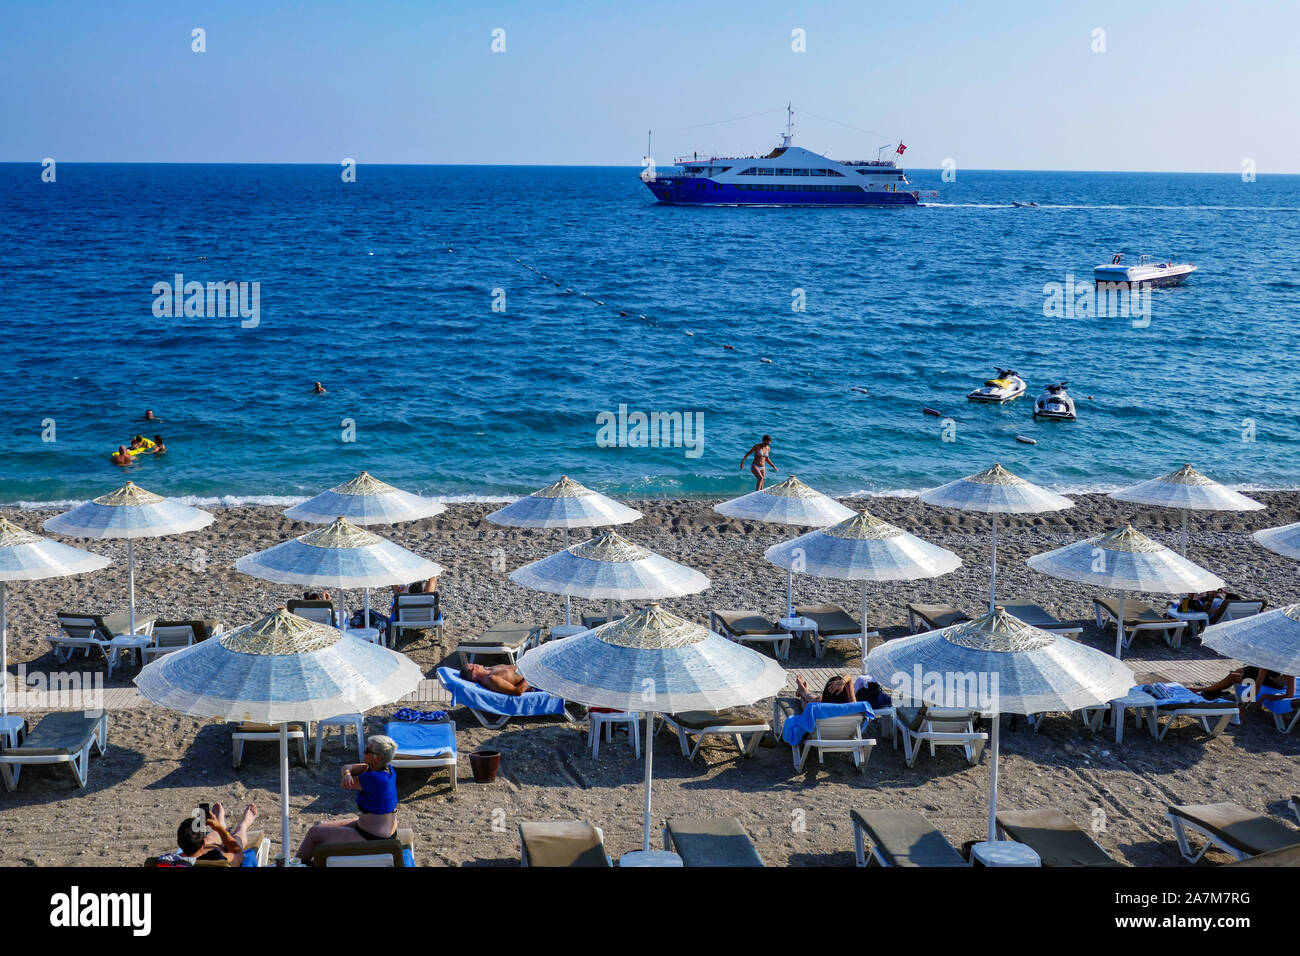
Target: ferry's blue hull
(704, 192)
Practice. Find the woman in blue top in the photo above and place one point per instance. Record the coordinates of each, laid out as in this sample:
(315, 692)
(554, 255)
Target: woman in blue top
(376, 785)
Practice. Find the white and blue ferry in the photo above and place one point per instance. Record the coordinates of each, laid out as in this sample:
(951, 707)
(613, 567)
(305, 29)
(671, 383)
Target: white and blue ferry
(788, 176)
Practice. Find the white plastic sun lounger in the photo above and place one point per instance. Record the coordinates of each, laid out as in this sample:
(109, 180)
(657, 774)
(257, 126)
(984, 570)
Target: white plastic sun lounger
(1232, 828)
(841, 733)
(61, 737)
(729, 723)
(938, 727)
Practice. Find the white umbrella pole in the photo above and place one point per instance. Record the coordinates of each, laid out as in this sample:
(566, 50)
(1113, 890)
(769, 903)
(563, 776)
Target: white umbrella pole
(993, 781)
(366, 619)
(649, 760)
(4, 657)
(1119, 627)
(609, 610)
(993, 566)
(130, 574)
(568, 610)
(864, 627)
(1184, 532)
(284, 792)
(789, 593)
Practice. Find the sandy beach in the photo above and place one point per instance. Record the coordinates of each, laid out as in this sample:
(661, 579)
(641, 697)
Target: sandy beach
(160, 764)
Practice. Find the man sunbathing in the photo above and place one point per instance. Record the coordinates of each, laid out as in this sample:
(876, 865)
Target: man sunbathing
(1269, 685)
(502, 678)
(217, 843)
(842, 689)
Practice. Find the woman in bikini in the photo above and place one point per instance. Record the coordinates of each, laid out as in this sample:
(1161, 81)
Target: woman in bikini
(376, 785)
(762, 453)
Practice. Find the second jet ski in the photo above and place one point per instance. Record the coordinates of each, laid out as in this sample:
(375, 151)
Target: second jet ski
(1055, 404)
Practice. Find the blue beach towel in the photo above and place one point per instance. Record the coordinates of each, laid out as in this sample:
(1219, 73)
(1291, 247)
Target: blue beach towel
(413, 716)
(1174, 694)
(801, 725)
(467, 694)
(422, 740)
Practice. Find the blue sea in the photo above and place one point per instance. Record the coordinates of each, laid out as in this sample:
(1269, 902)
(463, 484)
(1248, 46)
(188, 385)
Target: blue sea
(383, 289)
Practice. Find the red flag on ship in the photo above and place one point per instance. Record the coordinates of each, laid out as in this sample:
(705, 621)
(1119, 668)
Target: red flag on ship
(901, 149)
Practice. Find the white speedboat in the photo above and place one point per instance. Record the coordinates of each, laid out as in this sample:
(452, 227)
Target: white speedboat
(1055, 404)
(1007, 387)
(1146, 272)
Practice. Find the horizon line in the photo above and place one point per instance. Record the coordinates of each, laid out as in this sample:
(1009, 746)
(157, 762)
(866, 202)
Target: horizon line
(971, 169)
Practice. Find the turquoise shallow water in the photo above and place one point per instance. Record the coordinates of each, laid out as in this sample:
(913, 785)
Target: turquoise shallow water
(383, 289)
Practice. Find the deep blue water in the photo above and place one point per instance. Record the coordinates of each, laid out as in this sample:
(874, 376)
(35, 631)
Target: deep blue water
(382, 288)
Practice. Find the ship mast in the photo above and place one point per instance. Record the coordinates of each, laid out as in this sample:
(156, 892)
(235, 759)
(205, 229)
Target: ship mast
(789, 125)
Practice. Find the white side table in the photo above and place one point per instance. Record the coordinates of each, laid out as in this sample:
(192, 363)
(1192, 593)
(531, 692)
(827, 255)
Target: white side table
(1198, 619)
(599, 721)
(561, 631)
(805, 626)
(1003, 853)
(345, 722)
(650, 858)
(370, 634)
(126, 643)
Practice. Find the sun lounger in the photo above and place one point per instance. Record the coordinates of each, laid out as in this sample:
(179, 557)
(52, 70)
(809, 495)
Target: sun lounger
(1294, 805)
(826, 728)
(1231, 610)
(1285, 711)
(1174, 700)
(494, 710)
(322, 612)
(1054, 837)
(710, 841)
(901, 838)
(107, 633)
(596, 620)
(932, 617)
(832, 622)
(398, 852)
(61, 737)
(508, 638)
(257, 852)
(171, 636)
(1232, 828)
(938, 727)
(423, 745)
(262, 733)
(1139, 618)
(1035, 616)
(750, 627)
(1287, 856)
(562, 844)
(415, 612)
(729, 723)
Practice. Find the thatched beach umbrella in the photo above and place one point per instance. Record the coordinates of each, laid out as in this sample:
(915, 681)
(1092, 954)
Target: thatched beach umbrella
(1023, 670)
(610, 568)
(995, 491)
(1270, 640)
(130, 512)
(29, 557)
(365, 500)
(1125, 560)
(1283, 540)
(790, 502)
(652, 662)
(564, 504)
(340, 555)
(863, 548)
(1187, 490)
(279, 670)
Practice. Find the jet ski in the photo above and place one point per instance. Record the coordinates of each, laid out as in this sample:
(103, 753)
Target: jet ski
(1023, 205)
(1054, 404)
(1007, 387)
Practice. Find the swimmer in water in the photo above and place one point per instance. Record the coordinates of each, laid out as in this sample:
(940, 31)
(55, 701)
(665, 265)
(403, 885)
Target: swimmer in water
(318, 389)
(762, 453)
(122, 457)
(149, 416)
(158, 447)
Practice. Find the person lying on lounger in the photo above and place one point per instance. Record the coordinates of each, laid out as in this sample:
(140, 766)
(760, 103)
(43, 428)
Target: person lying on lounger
(1269, 685)
(376, 785)
(843, 689)
(502, 678)
(209, 839)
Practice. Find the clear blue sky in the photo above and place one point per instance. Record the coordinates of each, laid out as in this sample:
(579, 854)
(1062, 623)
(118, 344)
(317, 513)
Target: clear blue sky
(1013, 84)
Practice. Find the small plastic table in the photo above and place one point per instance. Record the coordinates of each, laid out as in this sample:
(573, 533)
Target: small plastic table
(127, 643)
(561, 631)
(1003, 853)
(650, 858)
(370, 634)
(805, 626)
(345, 722)
(1198, 619)
(1136, 700)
